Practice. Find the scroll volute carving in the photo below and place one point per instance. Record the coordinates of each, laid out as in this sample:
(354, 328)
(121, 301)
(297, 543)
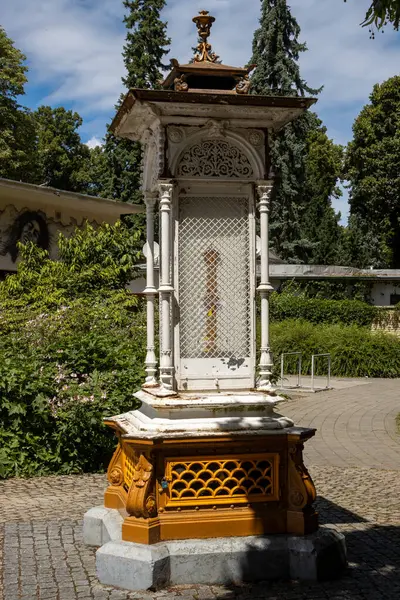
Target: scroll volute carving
(141, 501)
(301, 487)
(115, 473)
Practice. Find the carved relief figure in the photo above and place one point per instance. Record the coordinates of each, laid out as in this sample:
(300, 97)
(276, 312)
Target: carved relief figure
(29, 226)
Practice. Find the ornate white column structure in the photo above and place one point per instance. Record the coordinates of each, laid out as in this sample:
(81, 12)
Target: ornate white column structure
(265, 288)
(150, 291)
(166, 289)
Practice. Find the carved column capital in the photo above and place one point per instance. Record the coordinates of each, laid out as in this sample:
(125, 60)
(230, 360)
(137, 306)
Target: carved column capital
(150, 199)
(165, 188)
(264, 191)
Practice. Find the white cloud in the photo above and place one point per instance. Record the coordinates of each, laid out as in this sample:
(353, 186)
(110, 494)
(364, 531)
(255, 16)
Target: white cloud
(74, 48)
(74, 51)
(93, 142)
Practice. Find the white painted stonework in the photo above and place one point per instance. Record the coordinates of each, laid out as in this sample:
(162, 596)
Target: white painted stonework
(199, 415)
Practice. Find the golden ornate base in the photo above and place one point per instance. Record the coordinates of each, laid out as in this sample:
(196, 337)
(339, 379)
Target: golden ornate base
(171, 489)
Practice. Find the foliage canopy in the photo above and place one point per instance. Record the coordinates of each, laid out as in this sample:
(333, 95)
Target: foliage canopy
(372, 168)
(72, 345)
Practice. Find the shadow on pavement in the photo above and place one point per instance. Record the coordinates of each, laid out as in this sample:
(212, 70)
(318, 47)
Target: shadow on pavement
(373, 572)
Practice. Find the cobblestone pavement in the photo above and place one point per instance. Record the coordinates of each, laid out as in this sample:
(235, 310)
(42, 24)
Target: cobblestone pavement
(355, 426)
(41, 519)
(45, 559)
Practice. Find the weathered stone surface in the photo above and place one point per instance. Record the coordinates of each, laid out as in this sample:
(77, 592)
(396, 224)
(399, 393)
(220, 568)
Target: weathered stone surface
(133, 566)
(101, 525)
(218, 561)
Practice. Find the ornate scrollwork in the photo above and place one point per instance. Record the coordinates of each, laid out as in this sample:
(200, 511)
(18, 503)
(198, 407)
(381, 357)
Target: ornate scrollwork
(175, 134)
(301, 487)
(116, 477)
(115, 474)
(140, 502)
(204, 22)
(255, 137)
(180, 84)
(214, 158)
(243, 86)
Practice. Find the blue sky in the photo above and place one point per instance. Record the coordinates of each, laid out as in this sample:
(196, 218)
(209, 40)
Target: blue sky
(74, 53)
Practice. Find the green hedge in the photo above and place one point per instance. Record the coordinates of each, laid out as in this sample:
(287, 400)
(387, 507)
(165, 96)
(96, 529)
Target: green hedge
(61, 373)
(316, 310)
(72, 349)
(355, 351)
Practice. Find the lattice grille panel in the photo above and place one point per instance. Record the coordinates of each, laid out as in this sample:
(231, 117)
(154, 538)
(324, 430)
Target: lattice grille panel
(129, 470)
(214, 292)
(235, 479)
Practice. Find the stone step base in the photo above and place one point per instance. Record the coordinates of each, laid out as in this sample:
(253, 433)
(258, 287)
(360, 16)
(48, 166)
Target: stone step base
(128, 565)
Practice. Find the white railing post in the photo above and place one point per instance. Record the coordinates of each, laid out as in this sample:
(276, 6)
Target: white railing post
(265, 288)
(150, 291)
(166, 289)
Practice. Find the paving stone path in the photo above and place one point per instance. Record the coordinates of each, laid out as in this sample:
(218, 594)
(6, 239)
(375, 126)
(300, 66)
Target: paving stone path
(41, 519)
(355, 426)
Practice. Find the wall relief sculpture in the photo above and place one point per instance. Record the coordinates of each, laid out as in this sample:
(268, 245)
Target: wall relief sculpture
(214, 158)
(27, 226)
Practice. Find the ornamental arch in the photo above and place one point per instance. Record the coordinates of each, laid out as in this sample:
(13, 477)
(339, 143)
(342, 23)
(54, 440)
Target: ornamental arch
(218, 154)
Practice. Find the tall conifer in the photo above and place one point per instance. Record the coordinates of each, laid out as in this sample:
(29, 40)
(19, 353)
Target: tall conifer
(276, 51)
(145, 46)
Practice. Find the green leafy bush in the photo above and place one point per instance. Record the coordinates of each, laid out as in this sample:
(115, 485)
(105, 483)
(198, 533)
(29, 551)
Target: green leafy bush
(319, 310)
(355, 351)
(72, 344)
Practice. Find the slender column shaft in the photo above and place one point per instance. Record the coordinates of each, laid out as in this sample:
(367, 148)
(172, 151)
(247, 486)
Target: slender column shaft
(265, 288)
(166, 289)
(150, 291)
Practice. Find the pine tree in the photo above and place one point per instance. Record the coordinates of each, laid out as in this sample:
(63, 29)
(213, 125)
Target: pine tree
(146, 45)
(276, 52)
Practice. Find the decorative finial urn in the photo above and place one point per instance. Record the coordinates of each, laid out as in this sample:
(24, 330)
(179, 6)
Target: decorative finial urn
(204, 23)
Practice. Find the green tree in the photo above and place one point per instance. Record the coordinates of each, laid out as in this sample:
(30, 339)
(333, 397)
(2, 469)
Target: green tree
(61, 155)
(17, 131)
(382, 12)
(145, 47)
(372, 168)
(276, 52)
(72, 346)
(324, 166)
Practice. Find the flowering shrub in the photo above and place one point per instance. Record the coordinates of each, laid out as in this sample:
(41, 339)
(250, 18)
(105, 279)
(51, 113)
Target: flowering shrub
(69, 356)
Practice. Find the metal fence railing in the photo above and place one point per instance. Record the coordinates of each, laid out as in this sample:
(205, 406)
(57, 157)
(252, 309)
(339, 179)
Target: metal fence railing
(313, 357)
(298, 384)
(299, 354)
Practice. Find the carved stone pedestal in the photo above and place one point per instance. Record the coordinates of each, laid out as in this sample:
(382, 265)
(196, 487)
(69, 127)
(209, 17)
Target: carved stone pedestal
(209, 466)
(209, 489)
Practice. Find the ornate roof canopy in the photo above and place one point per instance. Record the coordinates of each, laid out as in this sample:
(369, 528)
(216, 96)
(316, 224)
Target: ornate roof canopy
(206, 74)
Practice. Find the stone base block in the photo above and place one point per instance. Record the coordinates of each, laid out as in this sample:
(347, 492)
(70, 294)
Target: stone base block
(101, 525)
(317, 556)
